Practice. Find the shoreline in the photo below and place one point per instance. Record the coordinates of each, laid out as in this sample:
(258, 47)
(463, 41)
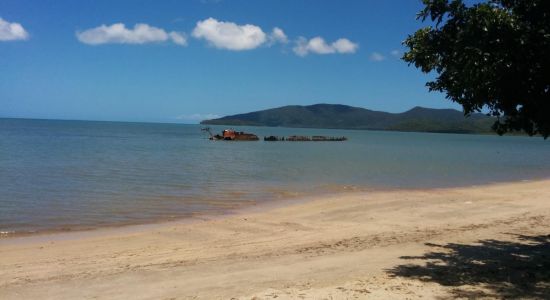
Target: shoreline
(196, 217)
(240, 208)
(341, 246)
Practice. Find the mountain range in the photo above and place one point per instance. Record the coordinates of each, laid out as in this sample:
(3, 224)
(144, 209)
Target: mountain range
(337, 116)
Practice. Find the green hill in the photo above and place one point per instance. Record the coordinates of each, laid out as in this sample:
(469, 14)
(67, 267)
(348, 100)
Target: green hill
(347, 117)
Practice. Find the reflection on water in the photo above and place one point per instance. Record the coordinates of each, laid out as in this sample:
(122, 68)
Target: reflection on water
(76, 174)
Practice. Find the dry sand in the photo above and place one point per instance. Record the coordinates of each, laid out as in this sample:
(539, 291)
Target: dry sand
(487, 241)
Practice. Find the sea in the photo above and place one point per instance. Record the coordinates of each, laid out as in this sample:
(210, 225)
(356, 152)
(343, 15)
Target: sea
(70, 175)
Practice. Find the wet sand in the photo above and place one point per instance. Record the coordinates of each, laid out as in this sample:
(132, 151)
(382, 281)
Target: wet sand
(485, 241)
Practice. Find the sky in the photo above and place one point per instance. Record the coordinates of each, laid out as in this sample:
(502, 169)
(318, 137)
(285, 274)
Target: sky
(183, 61)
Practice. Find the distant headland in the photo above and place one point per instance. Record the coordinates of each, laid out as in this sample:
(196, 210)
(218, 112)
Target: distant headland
(337, 116)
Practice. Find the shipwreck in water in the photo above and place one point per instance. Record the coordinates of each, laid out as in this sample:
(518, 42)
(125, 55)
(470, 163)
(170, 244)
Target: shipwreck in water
(231, 135)
(302, 138)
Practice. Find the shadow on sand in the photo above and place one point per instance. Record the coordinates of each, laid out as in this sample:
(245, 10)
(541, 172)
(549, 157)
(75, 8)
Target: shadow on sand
(500, 269)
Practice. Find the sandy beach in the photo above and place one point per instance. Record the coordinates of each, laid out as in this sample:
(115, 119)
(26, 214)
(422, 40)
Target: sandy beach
(485, 241)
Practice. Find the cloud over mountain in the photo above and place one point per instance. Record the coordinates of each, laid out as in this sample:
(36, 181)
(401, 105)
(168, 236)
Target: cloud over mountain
(229, 35)
(219, 34)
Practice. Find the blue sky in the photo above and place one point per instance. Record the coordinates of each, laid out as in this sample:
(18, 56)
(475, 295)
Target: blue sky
(194, 59)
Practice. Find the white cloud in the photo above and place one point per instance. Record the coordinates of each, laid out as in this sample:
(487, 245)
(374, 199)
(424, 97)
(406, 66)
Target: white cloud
(301, 47)
(320, 46)
(228, 35)
(345, 46)
(278, 36)
(12, 31)
(178, 38)
(197, 117)
(375, 56)
(119, 34)
(396, 53)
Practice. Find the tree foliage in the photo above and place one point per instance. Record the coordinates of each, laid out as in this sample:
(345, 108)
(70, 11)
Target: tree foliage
(493, 55)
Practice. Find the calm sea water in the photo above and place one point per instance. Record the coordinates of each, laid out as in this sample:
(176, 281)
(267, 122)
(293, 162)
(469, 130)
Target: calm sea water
(58, 175)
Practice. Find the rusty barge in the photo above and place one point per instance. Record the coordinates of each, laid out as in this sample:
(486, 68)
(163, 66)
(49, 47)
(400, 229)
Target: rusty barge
(231, 135)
